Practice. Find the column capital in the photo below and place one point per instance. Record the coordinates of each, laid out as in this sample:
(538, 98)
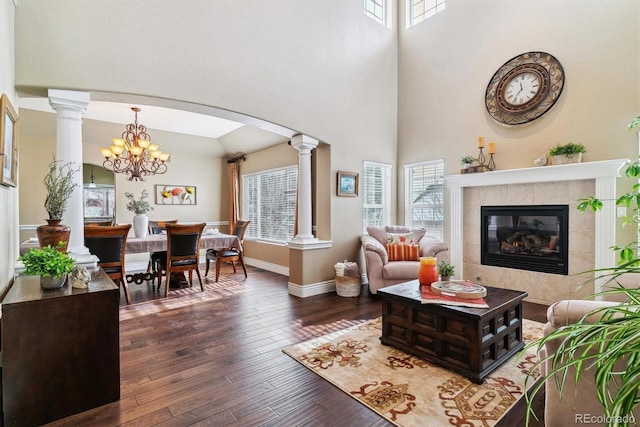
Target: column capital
(69, 100)
(303, 142)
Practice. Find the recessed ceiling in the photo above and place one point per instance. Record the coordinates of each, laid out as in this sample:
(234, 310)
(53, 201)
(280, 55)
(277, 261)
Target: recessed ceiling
(152, 117)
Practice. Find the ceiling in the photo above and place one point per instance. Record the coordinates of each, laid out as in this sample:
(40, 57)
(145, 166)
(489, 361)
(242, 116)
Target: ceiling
(205, 134)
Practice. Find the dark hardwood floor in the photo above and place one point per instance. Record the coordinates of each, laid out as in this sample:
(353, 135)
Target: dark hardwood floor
(214, 357)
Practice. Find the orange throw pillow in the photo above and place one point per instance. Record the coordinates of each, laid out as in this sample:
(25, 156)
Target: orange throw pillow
(398, 252)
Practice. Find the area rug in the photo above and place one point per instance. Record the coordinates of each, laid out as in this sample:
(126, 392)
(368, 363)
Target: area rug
(409, 391)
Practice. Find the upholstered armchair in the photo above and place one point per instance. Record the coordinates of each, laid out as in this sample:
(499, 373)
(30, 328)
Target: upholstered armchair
(578, 403)
(386, 269)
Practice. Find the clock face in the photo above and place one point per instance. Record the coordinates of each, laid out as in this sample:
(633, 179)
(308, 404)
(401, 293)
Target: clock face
(524, 88)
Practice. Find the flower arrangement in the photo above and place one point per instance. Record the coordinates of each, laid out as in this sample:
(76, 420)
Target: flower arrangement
(570, 149)
(140, 206)
(60, 186)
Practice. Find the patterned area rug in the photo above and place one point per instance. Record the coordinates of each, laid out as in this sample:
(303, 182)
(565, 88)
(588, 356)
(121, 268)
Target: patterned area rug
(407, 390)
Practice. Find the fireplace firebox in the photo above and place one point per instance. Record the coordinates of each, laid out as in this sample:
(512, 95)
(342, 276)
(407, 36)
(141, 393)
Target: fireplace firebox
(531, 237)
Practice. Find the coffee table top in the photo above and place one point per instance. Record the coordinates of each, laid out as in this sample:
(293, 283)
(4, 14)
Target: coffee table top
(495, 298)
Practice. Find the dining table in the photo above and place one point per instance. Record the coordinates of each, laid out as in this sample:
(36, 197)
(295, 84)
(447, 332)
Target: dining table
(158, 242)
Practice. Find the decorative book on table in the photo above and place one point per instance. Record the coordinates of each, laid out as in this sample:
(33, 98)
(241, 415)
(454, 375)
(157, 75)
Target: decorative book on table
(458, 293)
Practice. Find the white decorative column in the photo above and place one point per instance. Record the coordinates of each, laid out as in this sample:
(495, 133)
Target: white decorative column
(304, 144)
(70, 106)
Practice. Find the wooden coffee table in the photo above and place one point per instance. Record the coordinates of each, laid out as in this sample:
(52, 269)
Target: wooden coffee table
(470, 341)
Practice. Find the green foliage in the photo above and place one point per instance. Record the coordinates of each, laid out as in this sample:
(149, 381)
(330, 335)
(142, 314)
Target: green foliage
(47, 261)
(570, 149)
(60, 186)
(140, 206)
(445, 269)
(608, 346)
(467, 159)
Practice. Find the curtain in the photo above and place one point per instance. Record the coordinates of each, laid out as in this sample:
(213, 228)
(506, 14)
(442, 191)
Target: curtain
(234, 193)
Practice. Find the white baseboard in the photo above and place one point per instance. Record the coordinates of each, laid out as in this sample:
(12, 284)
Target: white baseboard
(304, 291)
(274, 268)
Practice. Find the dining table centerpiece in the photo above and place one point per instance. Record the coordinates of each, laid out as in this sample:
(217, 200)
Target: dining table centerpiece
(140, 207)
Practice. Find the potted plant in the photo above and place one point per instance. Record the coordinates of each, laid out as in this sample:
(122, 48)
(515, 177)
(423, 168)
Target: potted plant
(466, 161)
(140, 207)
(608, 337)
(50, 263)
(445, 270)
(59, 182)
(568, 153)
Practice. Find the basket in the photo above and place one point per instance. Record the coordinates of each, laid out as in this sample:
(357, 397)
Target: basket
(347, 286)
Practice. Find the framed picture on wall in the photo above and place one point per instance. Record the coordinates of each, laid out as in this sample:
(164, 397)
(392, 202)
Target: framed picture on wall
(347, 184)
(175, 195)
(8, 142)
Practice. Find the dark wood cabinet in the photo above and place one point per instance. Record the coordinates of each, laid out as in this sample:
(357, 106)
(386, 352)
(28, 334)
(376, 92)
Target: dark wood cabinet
(60, 349)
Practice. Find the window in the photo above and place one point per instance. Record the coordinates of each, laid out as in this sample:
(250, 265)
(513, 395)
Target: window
(269, 202)
(376, 192)
(378, 11)
(419, 10)
(424, 196)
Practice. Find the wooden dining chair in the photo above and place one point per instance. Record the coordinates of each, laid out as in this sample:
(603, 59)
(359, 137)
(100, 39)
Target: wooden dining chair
(229, 255)
(109, 244)
(183, 253)
(157, 227)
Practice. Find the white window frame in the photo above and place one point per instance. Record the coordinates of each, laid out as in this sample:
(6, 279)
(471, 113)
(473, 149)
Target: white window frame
(420, 178)
(379, 11)
(420, 10)
(373, 182)
(284, 210)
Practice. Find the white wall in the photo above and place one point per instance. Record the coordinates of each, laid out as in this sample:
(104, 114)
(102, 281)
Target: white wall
(8, 195)
(446, 62)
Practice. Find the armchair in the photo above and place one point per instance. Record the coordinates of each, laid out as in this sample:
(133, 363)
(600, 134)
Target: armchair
(580, 400)
(380, 270)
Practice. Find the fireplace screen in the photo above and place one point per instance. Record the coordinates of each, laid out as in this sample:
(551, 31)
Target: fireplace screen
(526, 237)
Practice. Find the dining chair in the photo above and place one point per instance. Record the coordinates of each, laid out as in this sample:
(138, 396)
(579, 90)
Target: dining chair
(108, 244)
(183, 253)
(229, 255)
(157, 227)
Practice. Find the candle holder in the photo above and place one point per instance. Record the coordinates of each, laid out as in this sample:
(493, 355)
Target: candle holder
(481, 159)
(492, 165)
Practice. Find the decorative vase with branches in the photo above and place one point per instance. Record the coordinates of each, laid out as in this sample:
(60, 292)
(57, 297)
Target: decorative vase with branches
(140, 207)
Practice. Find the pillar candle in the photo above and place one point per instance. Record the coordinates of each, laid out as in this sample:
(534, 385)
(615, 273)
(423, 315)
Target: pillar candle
(481, 142)
(492, 148)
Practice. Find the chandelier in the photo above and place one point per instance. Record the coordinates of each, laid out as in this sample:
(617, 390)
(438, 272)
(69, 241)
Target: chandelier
(134, 154)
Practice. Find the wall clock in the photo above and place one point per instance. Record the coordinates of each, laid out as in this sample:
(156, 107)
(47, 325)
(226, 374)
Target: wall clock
(524, 88)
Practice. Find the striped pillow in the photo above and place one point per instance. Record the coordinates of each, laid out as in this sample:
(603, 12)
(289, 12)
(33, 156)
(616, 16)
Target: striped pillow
(398, 252)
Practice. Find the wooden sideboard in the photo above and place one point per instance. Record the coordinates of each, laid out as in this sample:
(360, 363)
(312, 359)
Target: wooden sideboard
(60, 349)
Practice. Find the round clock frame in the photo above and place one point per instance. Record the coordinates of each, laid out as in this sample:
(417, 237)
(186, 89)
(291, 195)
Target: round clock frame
(539, 68)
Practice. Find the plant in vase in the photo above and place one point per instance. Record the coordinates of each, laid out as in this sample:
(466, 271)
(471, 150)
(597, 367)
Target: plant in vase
(59, 182)
(568, 153)
(466, 161)
(603, 346)
(445, 270)
(51, 263)
(140, 207)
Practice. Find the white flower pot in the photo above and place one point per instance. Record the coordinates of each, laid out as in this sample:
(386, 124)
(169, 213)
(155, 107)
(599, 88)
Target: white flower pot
(140, 225)
(565, 160)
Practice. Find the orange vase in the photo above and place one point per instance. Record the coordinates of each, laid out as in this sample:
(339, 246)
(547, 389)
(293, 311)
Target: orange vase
(428, 272)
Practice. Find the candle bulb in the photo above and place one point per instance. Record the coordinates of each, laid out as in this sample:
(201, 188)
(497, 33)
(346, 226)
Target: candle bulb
(492, 148)
(481, 142)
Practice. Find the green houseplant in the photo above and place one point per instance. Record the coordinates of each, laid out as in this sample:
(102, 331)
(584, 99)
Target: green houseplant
(59, 183)
(612, 340)
(445, 270)
(50, 263)
(139, 207)
(567, 153)
(466, 160)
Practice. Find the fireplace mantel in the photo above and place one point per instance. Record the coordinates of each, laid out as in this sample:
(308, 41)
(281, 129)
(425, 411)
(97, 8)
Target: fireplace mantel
(605, 174)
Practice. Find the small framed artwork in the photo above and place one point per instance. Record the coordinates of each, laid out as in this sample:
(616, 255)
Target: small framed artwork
(175, 195)
(347, 184)
(8, 142)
